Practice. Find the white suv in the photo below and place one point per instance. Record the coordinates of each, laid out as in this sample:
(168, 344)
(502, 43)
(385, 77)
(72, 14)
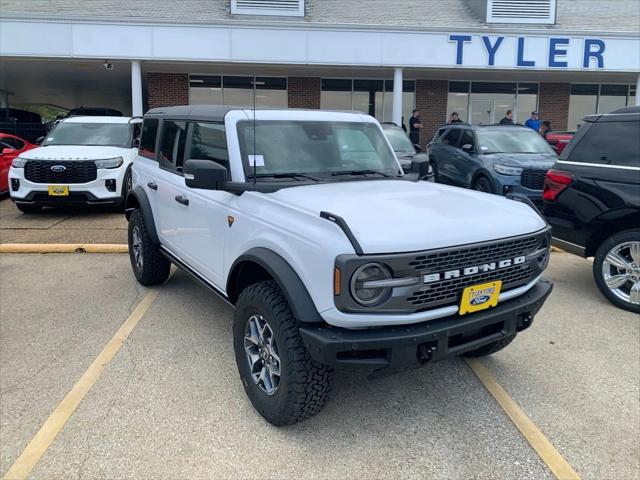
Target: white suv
(305, 223)
(83, 160)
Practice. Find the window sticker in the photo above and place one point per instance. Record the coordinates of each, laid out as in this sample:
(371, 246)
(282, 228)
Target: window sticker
(484, 148)
(49, 139)
(256, 160)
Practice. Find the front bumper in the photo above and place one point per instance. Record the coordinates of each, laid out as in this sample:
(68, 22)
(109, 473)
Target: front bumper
(409, 346)
(74, 198)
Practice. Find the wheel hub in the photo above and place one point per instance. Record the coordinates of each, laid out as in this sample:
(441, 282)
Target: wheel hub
(262, 354)
(621, 271)
(136, 245)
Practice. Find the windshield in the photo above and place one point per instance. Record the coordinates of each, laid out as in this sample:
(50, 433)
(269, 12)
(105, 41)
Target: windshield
(399, 141)
(104, 134)
(516, 140)
(319, 148)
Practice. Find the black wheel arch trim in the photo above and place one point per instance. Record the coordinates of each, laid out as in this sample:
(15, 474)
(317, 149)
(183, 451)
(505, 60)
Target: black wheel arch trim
(284, 275)
(137, 198)
(483, 173)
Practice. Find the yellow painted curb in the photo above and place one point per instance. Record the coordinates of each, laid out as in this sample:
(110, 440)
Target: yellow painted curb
(556, 249)
(63, 248)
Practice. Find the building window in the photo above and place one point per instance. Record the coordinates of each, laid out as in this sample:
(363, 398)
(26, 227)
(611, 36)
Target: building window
(371, 96)
(488, 102)
(238, 90)
(588, 99)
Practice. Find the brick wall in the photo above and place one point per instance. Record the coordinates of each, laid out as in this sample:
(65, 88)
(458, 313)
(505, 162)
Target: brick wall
(431, 100)
(553, 104)
(167, 89)
(304, 92)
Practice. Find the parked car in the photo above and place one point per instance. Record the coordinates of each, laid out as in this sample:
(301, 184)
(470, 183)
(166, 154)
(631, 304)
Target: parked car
(10, 147)
(22, 123)
(83, 160)
(592, 201)
(559, 140)
(404, 149)
(93, 112)
(305, 223)
(498, 159)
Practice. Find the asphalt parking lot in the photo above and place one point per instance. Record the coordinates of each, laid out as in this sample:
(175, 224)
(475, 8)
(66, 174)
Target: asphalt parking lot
(170, 404)
(68, 225)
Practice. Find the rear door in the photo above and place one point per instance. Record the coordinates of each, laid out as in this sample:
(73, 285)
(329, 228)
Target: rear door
(463, 163)
(446, 156)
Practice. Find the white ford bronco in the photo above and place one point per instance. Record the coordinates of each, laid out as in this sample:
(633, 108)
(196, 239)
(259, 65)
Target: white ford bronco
(306, 224)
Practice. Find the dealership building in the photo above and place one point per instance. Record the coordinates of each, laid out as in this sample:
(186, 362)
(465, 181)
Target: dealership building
(479, 58)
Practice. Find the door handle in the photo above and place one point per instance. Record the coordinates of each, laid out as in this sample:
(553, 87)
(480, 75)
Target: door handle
(182, 200)
(152, 185)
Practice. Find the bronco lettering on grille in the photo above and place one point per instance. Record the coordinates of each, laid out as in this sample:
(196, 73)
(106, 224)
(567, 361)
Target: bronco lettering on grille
(485, 267)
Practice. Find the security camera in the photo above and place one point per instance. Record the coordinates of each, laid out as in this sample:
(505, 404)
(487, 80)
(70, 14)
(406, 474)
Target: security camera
(107, 65)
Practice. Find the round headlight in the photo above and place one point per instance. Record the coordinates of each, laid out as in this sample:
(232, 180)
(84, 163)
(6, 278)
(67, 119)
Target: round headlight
(362, 289)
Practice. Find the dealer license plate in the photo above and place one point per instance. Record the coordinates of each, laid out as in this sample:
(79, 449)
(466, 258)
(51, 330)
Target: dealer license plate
(480, 297)
(58, 190)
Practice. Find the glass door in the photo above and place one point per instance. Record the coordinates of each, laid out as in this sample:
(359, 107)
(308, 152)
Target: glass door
(482, 111)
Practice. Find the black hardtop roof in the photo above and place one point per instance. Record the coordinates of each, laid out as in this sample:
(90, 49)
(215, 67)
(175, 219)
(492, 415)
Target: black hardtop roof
(624, 114)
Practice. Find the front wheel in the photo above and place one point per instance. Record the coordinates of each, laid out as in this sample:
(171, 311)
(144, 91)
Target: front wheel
(482, 184)
(616, 269)
(282, 381)
(149, 265)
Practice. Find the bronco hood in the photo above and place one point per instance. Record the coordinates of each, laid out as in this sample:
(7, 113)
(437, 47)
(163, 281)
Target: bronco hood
(388, 216)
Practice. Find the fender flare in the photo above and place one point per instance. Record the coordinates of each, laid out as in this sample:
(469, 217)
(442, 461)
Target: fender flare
(284, 275)
(481, 172)
(137, 198)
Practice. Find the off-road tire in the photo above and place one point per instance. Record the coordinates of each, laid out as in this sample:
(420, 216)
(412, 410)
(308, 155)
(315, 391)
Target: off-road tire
(28, 209)
(126, 183)
(630, 235)
(305, 385)
(482, 184)
(490, 348)
(155, 267)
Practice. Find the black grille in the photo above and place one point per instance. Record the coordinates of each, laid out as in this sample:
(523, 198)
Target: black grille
(449, 291)
(462, 257)
(533, 179)
(38, 171)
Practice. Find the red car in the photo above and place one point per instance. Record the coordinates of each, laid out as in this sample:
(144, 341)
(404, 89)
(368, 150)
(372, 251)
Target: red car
(10, 147)
(559, 140)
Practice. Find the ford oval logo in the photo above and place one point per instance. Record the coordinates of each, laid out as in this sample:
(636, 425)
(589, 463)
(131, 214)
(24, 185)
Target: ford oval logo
(480, 300)
(58, 168)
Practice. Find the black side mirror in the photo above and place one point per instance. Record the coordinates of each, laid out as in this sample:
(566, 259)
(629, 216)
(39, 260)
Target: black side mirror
(468, 148)
(417, 147)
(205, 174)
(136, 142)
(420, 165)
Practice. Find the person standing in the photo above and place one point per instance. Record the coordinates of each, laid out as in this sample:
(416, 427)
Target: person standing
(415, 124)
(533, 122)
(508, 118)
(454, 118)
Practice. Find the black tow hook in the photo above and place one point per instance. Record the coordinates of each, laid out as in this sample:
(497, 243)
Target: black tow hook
(425, 352)
(525, 321)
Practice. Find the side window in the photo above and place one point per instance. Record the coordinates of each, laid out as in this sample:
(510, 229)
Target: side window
(438, 136)
(209, 142)
(174, 135)
(13, 143)
(451, 137)
(467, 139)
(148, 138)
(609, 143)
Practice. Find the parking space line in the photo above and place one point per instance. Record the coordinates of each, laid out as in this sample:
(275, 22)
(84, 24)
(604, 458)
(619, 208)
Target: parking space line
(538, 441)
(64, 248)
(30, 456)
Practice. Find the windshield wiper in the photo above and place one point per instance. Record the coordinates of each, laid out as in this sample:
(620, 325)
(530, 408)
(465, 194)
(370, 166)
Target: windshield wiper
(284, 175)
(359, 172)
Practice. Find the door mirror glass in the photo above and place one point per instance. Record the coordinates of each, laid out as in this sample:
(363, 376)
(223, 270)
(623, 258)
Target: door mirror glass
(204, 174)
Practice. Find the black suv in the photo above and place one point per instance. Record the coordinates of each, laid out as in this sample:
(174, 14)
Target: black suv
(592, 201)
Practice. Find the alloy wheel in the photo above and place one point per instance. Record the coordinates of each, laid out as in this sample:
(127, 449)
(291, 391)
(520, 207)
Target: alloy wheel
(621, 271)
(136, 245)
(262, 354)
